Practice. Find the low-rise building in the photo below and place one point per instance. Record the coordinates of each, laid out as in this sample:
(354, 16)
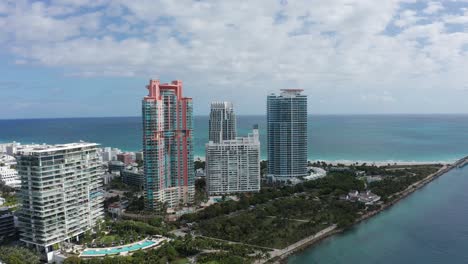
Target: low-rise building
(200, 173)
(10, 177)
(117, 208)
(7, 160)
(133, 177)
(376, 178)
(108, 177)
(116, 167)
(109, 154)
(139, 156)
(7, 223)
(315, 173)
(366, 197)
(126, 158)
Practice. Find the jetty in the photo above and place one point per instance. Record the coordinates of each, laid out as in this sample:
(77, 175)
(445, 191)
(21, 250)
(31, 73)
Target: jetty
(461, 163)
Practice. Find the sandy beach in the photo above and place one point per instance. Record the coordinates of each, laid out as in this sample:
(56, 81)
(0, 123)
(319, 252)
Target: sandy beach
(376, 163)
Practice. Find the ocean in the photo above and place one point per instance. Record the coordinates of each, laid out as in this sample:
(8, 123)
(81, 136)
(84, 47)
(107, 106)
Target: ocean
(427, 227)
(378, 138)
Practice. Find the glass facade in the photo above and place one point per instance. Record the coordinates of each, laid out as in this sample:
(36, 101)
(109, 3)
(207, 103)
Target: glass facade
(287, 135)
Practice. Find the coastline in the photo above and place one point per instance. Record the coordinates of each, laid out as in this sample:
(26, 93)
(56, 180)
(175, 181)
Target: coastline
(368, 162)
(309, 241)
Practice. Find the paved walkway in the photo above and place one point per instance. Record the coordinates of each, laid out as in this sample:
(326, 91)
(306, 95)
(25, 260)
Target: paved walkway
(240, 243)
(302, 242)
(291, 219)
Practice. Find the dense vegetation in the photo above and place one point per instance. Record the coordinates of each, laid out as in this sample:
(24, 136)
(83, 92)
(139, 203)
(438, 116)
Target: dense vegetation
(278, 216)
(199, 164)
(8, 193)
(18, 255)
(200, 191)
(400, 180)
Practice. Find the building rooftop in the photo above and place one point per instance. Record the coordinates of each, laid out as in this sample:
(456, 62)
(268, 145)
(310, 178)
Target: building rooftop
(292, 90)
(288, 93)
(36, 149)
(221, 105)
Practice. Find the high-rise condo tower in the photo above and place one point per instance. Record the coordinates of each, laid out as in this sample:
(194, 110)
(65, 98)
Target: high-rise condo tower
(222, 122)
(287, 135)
(167, 146)
(61, 193)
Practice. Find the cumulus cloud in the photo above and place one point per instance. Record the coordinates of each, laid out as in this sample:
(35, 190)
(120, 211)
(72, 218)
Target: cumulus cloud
(433, 7)
(253, 46)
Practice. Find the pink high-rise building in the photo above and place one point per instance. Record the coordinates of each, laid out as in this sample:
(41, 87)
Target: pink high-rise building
(167, 146)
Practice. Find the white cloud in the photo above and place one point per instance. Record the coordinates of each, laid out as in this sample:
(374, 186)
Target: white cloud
(335, 45)
(433, 8)
(457, 19)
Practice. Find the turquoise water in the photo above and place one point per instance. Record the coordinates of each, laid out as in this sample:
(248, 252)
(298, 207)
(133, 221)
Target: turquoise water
(113, 251)
(430, 227)
(331, 137)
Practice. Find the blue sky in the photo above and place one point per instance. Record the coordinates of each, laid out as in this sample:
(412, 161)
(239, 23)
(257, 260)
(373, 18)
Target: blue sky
(71, 58)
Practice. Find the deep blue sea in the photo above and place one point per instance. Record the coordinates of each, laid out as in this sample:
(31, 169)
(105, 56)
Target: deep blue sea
(331, 137)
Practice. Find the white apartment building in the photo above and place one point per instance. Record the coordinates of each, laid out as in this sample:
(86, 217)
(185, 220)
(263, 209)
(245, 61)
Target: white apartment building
(9, 176)
(223, 122)
(60, 193)
(233, 166)
(109, 154)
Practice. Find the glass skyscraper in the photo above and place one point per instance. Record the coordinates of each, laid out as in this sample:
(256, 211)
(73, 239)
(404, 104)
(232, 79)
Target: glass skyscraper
(167, 146)
(287, 135)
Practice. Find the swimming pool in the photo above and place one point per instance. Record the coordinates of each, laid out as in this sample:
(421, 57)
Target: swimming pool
(118, 250)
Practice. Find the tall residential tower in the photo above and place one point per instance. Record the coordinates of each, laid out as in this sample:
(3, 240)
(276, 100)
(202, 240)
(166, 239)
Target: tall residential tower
(61, 193)
(222, 122)
(167, 146)
(232, 163)
(233, 166)
(287, 135)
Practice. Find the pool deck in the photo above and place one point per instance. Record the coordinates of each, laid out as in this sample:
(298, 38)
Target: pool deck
(122, 250)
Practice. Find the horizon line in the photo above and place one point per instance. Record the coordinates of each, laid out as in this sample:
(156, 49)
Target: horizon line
(315, 114)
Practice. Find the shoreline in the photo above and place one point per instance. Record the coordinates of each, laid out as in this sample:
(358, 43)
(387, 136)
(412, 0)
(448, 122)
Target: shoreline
(309, 241)
(369, 162)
